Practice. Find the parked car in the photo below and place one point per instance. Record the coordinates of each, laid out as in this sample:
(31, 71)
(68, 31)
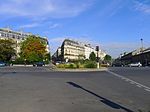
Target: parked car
(2, 64)
(39, 64)
(58, 62)
(135, 64)
(146, 64)
(117, 64)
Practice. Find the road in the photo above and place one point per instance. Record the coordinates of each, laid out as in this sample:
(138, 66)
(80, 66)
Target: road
(39, 89)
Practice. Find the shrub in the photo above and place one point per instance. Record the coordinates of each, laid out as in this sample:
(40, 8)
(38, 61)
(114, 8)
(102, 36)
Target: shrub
(72, 65)
(18, 61)
(61, 65)
(90, 64)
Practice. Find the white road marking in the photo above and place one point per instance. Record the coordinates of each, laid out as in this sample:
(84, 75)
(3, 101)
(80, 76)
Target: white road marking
(147, 90)
(131, 81)
(126, 80)
(138, 86)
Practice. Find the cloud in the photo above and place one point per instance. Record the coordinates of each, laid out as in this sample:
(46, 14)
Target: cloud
(143, 6)
(116, 48)
(111, 8)
(37, 23)
(119, 45)
(32, 25)
(56, 25)
(48, 8)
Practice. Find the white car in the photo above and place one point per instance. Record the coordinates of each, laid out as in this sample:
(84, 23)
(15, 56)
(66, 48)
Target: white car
(135, 64)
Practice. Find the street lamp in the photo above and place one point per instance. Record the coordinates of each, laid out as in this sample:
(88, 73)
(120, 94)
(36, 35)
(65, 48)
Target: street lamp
(142, 44)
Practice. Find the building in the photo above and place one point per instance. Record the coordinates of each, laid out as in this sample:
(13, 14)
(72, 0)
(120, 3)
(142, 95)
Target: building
(57, 55)
(72, 50)
(101, 55)
(88, 49)
(139, 55)
(18, 37)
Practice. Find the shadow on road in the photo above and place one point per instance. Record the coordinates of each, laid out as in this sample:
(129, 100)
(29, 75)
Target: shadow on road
(102, 99)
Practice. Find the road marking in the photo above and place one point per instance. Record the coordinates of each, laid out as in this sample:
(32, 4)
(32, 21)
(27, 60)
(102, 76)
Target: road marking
(126, 80)
(147, 90)
(131, 81)
(138, 86)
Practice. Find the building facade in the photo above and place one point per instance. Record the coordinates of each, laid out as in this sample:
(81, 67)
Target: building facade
(73, 50)
(139, 55)
(18, 37)
(88, 49)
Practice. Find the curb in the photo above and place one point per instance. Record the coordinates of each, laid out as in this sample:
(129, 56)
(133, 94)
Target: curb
(81, 70)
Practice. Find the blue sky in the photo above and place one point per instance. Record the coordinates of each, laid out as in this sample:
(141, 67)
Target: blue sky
(115, 25)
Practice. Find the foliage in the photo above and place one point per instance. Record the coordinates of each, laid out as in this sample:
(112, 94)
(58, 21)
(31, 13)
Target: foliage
(71, 65)
(7, 50)
(33, 49)
(48, 57)
(18, 61)
(107, 58)
(61, 66)
(92, 56)
(90, 64)
(86, 64)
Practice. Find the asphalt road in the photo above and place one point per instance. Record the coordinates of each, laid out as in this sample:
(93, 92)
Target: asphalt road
(32, 89)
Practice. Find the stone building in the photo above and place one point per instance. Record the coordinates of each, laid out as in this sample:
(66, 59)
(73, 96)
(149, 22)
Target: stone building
(139, 55)
(72, 50)
(18, 37)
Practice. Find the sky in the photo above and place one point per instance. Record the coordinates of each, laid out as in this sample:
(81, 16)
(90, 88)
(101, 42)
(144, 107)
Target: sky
(115, 25)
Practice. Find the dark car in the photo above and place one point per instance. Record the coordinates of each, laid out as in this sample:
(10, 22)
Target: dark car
(39, 64)
(117, 64)
(146, 64)
(2, 64)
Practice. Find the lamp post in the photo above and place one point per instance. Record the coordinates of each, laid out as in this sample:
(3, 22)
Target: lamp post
(142, 44)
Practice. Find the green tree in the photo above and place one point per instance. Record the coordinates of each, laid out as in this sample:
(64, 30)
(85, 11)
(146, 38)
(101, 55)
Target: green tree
(7, 50)
(33, 49)
(92, 56)
(107, 58)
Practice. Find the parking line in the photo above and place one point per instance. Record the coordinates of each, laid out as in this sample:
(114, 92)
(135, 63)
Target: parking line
(131, 81)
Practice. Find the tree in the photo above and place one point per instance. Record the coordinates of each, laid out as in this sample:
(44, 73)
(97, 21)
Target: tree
(7, 50)
(107, 58)
(92, 56)
(33, 49)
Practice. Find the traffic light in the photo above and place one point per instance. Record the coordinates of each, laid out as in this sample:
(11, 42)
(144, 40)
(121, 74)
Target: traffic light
(97, 48)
